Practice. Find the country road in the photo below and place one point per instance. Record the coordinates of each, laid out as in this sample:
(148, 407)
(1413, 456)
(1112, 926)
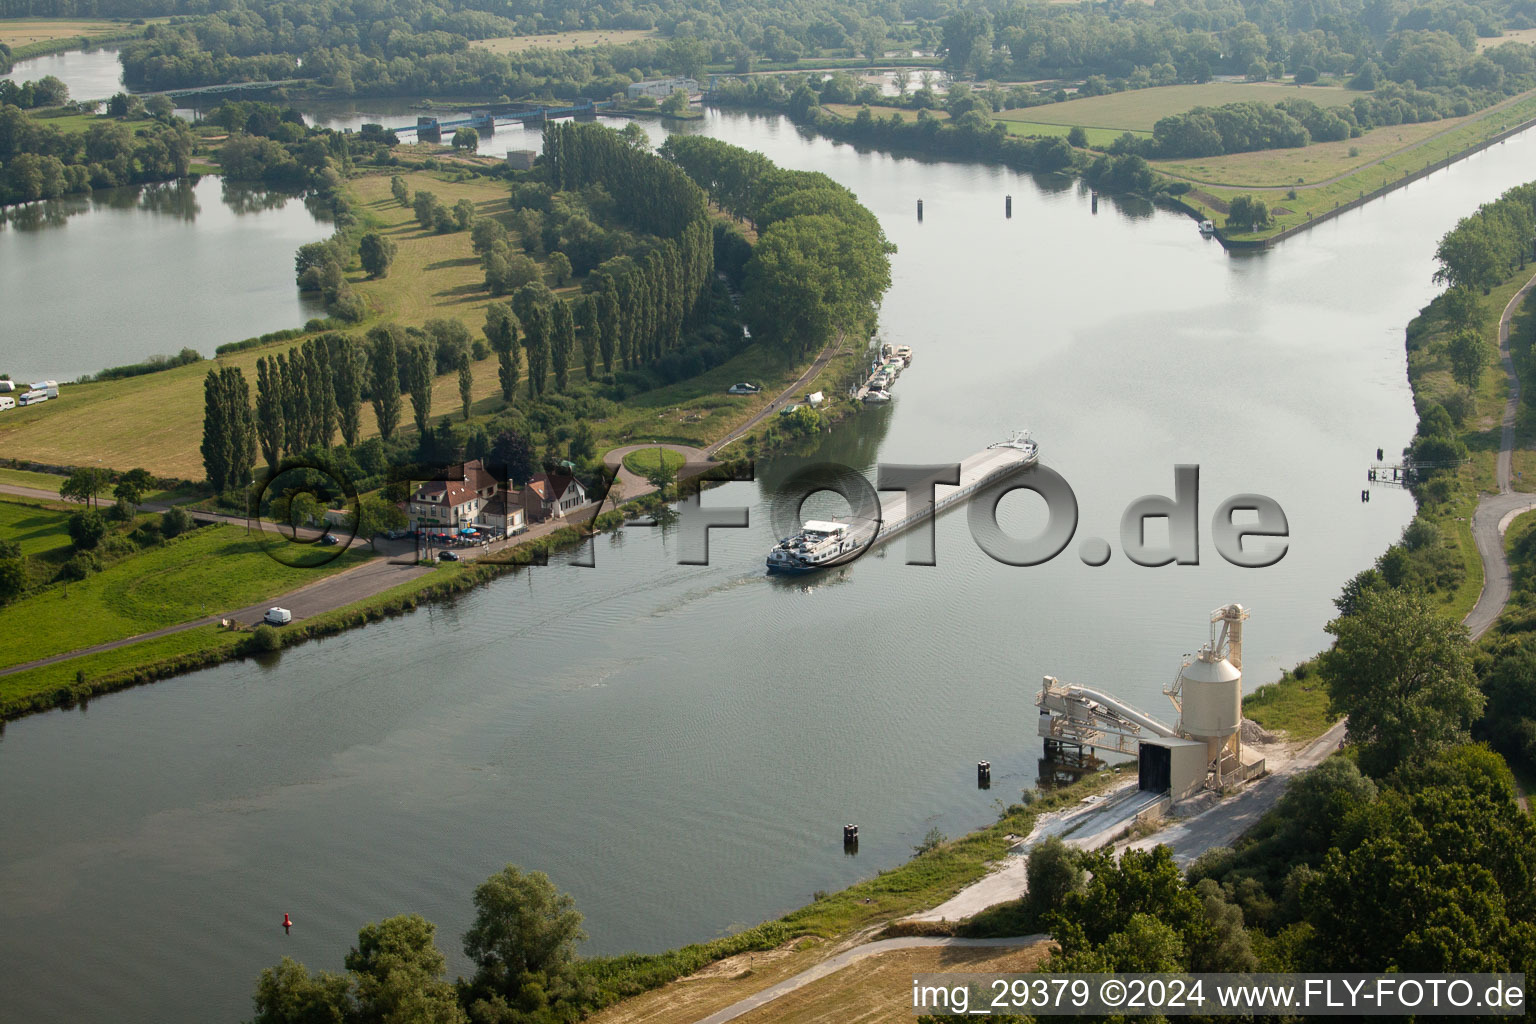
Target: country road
(1495, 512)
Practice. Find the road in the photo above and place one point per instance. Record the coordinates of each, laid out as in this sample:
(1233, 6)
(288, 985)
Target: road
(1495, 512)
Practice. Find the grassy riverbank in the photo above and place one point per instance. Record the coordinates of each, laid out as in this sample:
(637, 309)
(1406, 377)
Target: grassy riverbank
(1301, 185)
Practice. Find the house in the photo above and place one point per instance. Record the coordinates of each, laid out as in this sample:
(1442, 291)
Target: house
(455, 500)
(503, 515)
(552, 495)
(660, 88)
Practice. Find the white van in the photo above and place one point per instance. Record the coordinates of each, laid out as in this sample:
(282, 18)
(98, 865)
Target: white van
(7, 402)
(278, 617)
(33, 397)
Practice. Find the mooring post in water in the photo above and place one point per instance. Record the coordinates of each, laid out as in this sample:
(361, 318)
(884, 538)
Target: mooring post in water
(1095, 202)
(1378, 454)
(919, 211)
(983, 774)
(850, 835)
(1008, 206)
(1365, 495)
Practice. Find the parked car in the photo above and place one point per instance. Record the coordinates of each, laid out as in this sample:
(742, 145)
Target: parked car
(447, 556)
(396, 534)
(329, 540)
(743, 389)
(277, 617)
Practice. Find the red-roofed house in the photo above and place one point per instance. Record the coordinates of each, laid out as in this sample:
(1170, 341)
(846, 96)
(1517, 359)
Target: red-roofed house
(547, 496)
(452, 502)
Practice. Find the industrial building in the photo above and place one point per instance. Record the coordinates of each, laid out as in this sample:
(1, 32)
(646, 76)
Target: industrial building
(661, 88)
(1202, 750)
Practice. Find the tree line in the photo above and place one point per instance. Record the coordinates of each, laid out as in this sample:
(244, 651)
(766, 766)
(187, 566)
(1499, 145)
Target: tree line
(807, 225)
(1482, 250)
(38, 161)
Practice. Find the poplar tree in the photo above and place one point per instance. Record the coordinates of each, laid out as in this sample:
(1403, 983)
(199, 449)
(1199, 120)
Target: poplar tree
(562, 341)
(501, 331)
(418, 376)
(346, 375)
(384, 378)
(466, 381)
(269, 413)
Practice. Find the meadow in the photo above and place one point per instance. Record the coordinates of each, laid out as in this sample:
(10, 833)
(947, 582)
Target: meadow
(36, 528)
(19, 32)
(562, 40)
(1140, 109)
(211, 570)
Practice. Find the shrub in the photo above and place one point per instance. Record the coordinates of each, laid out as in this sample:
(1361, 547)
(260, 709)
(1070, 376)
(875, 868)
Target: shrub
(265, 640)
(86, 528)
(80, 566)
(174, 521)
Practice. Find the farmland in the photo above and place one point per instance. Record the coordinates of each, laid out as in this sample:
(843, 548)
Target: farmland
(562, 40)
(1140, 109)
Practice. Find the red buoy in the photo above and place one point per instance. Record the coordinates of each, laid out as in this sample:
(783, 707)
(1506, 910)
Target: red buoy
(287, 923)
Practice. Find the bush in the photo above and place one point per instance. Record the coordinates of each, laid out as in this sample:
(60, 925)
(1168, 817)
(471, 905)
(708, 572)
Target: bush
(265, 640)
(80, 566)
(174, 521)
(86, 528)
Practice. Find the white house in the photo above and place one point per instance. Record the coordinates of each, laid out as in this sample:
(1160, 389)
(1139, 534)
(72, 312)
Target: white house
(547, 496)
(453, 502)
(503, 514)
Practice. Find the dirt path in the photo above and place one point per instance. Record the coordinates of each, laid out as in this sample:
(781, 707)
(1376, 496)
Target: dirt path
(1363, 167)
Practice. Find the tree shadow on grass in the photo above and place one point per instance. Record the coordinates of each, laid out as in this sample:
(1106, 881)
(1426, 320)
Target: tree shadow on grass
(466, 261)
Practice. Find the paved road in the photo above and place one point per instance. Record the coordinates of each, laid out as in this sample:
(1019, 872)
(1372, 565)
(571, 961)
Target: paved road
(1495, 511)
(633, 485)
(833, 964)
(784, 397)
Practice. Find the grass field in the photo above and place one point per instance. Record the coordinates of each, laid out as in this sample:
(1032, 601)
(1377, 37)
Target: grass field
(562, 40)
(1511, 35)
(1099, 138)
(851, 110)
(35, 528)
(211, 570)
(26, 478)
(645, 462)
(1140, 109)
(19, 32)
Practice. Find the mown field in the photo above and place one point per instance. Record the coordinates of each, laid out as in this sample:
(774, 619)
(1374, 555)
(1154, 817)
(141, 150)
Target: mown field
(19, 32)
(36, 528)
(1140, 109)
(562, 40)
(208, 571)
(1511, 35)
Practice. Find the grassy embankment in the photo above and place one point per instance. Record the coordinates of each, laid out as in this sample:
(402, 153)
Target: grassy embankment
(155, 420)
(36, 528)
(804, 937)
(643, 463)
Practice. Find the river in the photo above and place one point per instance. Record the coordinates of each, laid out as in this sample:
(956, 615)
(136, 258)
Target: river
(679, 746)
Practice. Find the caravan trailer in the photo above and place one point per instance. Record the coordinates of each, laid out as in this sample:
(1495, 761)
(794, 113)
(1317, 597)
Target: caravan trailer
(47, 387)
(33, 397)
(7, 402)
(7, 386)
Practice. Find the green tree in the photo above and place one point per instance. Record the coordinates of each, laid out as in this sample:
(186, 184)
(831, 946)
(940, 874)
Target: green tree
(501, 331)
(13, 576)
(418, 376)
(346, 362)
(1077, 137)
(466, 138)
(1466, 353)
(514, 453)
(289, 994)
(562, 342)
(1248, 213)
(399, 191)
(1053, 870)
(398, 974)
(1402, 672)
(675, 104)
(1462, 309)
(85, 485)
(270, 425)
(375, 515)
(464, 214)
(466, 383)
(86, 528)
(229, 429)
(376, 253)
(384, 378)
(175, 521)
(559, 268)
(524, 928)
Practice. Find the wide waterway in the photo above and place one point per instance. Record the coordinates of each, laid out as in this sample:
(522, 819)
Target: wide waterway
(679, 746)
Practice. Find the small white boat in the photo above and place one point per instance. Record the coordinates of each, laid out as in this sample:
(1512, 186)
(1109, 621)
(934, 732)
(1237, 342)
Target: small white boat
(877, 395)
(1207, 228)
